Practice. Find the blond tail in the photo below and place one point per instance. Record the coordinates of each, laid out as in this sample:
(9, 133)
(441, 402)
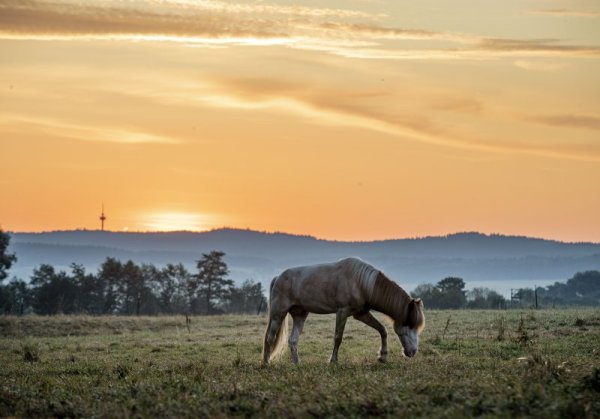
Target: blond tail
(282, 336)
(277, 348)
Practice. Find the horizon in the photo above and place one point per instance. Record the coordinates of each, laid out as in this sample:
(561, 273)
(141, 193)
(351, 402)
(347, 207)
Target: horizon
(472, 256)
(346, 120)
(250, 230)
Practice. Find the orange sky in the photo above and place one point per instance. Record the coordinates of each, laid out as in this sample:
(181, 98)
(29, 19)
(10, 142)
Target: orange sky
(352, 119)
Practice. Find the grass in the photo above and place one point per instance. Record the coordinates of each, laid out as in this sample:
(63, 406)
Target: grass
(546, 364)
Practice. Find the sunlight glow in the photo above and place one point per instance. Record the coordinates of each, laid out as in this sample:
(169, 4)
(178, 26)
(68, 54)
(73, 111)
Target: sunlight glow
(175, 221)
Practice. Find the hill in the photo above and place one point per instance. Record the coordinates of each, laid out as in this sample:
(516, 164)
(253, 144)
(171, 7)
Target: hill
(496, 261)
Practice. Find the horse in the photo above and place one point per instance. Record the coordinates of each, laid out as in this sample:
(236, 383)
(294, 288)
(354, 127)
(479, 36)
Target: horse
(349, 287)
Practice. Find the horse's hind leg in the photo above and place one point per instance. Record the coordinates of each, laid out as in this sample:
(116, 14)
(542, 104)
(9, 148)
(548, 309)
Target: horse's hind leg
(368, 319)
(269, 344)
(299, 319)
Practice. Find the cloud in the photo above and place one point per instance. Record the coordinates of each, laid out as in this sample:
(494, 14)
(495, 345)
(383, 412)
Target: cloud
(380, 32)
(340, 107)
(536, 47)
(187, 19)
(539, 65)
(464, 105)
(270, 9)
(41, 18)
(62, 129)
(567, 13)
(211, 23)
(568, 121)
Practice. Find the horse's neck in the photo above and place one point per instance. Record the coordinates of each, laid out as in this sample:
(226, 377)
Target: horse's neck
(388, 298)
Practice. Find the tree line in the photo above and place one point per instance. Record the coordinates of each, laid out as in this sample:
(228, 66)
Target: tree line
(133, 289)
(128, 288)
(583, 289)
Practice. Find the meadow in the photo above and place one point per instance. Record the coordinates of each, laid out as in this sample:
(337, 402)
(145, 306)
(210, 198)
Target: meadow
(543, 363)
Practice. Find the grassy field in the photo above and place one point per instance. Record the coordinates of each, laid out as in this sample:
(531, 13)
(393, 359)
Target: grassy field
(471, 363)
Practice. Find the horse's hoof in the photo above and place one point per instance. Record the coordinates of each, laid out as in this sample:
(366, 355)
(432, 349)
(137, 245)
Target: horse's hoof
(382, 360)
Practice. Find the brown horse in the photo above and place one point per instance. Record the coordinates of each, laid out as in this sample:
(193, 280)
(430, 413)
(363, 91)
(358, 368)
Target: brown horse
(349, 287)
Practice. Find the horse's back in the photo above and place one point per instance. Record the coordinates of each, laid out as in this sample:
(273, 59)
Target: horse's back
(322, 288)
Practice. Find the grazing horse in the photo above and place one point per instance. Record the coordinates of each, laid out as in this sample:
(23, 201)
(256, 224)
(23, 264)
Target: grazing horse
(349, 287)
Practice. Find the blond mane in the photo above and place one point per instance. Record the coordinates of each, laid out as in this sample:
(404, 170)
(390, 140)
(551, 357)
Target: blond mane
(389, 298)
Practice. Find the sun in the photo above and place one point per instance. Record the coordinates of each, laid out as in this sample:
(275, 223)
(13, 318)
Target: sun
(175, 221)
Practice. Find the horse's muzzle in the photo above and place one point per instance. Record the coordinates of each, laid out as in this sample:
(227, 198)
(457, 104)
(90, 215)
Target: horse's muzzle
(410, 352)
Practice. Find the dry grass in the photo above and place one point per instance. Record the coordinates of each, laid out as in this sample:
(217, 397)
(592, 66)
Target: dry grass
(152, 366)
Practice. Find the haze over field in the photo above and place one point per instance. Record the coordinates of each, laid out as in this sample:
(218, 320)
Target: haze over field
(345, 120)
(497, 262)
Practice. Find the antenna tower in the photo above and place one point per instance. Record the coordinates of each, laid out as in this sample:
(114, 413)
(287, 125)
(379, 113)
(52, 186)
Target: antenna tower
(102, 218)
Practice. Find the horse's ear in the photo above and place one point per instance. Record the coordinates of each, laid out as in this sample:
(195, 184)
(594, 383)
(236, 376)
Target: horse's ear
(418, 302)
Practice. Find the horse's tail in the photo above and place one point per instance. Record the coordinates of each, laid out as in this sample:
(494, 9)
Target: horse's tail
(282, 333)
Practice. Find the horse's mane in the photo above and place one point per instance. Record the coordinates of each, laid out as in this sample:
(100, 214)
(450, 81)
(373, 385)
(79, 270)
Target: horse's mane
(389, 298)
(363, 272)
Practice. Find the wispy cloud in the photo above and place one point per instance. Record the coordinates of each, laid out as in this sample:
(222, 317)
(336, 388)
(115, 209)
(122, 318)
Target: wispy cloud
(340, 107)
(567, 13)
(536, 47)
(539, 65)
(464, 105)
(568, 121)
(39, 18)
(211, 23)
(63, 129)
(382, 32)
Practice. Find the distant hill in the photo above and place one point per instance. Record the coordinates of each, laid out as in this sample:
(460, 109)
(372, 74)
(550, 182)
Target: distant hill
(478, 258)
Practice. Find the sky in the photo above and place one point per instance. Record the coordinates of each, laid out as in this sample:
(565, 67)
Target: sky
(345, 120)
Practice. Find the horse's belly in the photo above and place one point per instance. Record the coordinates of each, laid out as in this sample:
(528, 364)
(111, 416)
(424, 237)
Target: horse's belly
(318, 308)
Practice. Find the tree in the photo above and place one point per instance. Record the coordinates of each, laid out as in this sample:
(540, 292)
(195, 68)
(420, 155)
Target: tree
(135, 289)
(429, 293)
(526, 296)
(447, 293)
(213, 285)
(484, 298)
(90, 291)
(14, 297)
(451, 283)
(109, 278)
(495, 300)
(477, 297)
(246, 299)
(582, 289)
(53, 292)
(171, 286)
(6, 259)
(452, 292)
(585, 284)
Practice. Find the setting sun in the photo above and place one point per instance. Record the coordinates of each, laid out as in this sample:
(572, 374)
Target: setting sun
(174, 221)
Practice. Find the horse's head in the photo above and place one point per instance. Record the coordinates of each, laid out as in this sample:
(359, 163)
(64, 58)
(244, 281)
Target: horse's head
(409, 330)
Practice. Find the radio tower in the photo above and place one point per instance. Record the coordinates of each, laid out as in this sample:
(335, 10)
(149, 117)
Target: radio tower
(102, 218)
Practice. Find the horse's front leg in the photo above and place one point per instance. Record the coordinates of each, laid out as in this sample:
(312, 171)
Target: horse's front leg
(340, 323)
(368, 319)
